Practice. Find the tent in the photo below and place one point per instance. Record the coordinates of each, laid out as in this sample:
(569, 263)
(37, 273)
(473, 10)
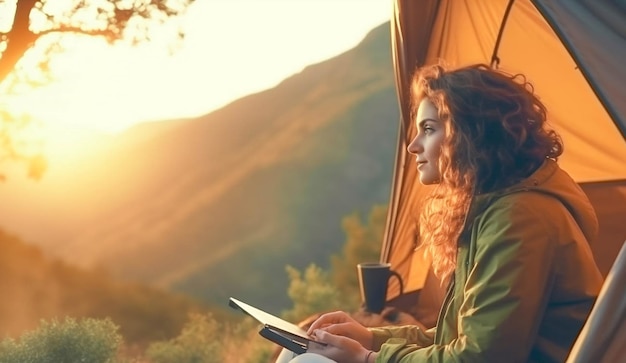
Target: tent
(572, 51)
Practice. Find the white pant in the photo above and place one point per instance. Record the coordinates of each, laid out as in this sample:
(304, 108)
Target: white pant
(287, 356)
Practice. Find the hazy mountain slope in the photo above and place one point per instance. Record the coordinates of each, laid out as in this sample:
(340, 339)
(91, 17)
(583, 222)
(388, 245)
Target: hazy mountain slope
(313, 198)
(218, 205)
(269, 180)
(35, 287)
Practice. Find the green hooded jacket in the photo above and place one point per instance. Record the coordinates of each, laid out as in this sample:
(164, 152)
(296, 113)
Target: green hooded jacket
(524, 284)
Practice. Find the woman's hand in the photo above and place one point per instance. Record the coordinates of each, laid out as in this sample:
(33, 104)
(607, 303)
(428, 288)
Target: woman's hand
(340, 348)
(339, 323)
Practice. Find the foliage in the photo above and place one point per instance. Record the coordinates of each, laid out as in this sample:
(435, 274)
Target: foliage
(311, 293)
(88, 340)
(204, 340)
(316, 290)
(363, 244)
(243, 344)
(199, 342)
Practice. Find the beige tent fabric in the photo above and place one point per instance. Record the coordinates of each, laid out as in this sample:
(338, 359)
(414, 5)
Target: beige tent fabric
(594, 31)
(461, 32)
(603, 338)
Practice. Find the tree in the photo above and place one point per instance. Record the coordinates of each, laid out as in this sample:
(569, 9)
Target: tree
(70, 340)
(316, 290)
(311, 293)
(363, 244)
(42, 24)
(200, 341)
(112, 19)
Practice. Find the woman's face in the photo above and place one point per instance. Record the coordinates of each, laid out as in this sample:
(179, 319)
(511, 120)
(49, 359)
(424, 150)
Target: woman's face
(426, 146)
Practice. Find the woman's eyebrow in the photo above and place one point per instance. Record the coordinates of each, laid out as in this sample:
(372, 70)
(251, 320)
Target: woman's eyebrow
(421, 123)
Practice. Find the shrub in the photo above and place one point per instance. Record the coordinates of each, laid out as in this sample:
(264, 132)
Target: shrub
(362, 245)
(199, 342)
(244, 344)
(311, 293)
(70, 341)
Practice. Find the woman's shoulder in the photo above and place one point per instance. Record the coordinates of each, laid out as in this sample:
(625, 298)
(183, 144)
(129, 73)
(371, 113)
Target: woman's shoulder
(518, 201)
(529, 204)
(535, 212)
(549, 189)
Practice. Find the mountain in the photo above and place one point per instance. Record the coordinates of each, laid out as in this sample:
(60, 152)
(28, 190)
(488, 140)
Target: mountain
(218, 205)
(36, 287)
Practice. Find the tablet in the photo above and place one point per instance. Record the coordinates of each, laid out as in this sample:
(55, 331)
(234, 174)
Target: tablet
(277, 330)
(295, 343)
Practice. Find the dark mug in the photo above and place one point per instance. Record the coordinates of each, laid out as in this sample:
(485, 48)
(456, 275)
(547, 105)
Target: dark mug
(373, 280)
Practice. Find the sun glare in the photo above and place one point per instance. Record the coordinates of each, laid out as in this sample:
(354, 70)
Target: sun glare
(231, 48)
(7, 9)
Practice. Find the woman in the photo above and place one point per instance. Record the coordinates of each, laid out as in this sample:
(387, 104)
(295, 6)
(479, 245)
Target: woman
(507, 229)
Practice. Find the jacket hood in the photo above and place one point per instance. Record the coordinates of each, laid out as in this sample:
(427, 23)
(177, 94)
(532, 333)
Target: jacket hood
(552, 180)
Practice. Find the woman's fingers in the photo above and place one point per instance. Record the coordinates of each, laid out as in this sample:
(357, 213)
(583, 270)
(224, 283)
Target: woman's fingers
(338, 348)
(331, 339)
(316, 348)
(345, 329)
(342, 324)
(352, 330)
(328, 319)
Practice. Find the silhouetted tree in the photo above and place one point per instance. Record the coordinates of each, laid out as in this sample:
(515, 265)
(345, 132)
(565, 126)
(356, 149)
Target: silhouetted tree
(111, 19)
(39, 24)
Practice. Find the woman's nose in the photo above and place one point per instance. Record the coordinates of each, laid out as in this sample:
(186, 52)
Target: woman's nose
(414, 147)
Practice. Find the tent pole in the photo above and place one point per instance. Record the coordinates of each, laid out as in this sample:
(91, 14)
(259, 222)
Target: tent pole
(495, 61)
(608, 106)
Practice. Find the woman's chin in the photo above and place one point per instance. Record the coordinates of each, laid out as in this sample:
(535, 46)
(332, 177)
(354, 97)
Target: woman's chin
(425, 180)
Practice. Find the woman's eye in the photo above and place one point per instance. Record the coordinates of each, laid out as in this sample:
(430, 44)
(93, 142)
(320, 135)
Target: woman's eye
(428, 130)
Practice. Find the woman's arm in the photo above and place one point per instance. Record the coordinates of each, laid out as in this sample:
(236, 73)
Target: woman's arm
(410, 333)
(504, 295)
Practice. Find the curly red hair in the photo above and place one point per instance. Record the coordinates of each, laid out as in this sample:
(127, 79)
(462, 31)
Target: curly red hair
(495, 136)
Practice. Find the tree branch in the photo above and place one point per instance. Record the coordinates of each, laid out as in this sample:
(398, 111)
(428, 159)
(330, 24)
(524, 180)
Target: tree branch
(19, 38)
(110, 35)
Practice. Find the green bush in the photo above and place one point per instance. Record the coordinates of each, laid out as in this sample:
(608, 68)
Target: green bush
(363, 244)
(199, 342)
(244, 344)
(70, 341)
(204, 340)
(311, 292)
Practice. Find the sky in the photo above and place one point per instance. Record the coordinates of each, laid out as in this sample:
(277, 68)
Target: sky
(231, 48)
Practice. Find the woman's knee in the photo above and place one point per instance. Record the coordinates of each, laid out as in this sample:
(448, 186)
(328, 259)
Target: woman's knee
(285, 356)
(311, 358)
